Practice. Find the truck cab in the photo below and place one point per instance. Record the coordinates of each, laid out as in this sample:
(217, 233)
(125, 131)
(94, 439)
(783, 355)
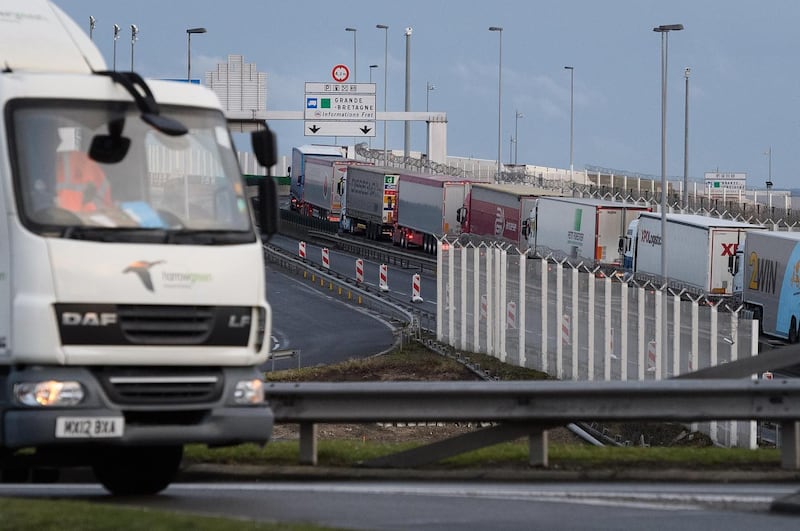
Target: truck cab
(133, 312)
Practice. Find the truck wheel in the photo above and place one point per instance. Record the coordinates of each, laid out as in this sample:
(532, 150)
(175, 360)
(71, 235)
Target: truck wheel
(129, 471)
(793, 336)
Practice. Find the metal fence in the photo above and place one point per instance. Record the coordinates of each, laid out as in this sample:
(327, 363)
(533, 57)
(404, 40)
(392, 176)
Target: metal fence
(575, 322)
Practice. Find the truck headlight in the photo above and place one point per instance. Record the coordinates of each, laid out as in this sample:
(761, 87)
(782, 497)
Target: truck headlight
(249, 392)
(49, 393)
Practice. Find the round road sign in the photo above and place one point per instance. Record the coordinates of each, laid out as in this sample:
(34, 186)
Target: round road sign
(340, 73)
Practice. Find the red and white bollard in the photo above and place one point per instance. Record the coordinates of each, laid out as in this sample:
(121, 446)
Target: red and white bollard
(384, 280)
(326, 258)
(484, 307)
(302, 250)
(415, 288)
(359, 271)
(766, 375)
(566, 328)
(651, 356)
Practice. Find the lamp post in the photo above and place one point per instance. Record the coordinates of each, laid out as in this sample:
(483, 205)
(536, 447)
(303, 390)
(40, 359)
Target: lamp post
(571, 118)
(385, 29)
(92, 22)
(189, 33)
(768, 153)
(355, 61)
(499, 31)
(517, 116)
(429, 87)
(686, 73)
(116, 36)
(407, 126)
(664, 31)
(370, 80)
(134, 36)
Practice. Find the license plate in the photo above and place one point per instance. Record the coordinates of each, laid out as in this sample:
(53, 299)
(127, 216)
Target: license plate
(89, 427)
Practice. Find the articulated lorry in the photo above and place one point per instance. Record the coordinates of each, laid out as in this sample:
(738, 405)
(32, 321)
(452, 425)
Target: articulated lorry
(582, 228)
(699, 249)
(767, 273)
(427, 209)
(500, 211)
(369, 201)
(324, 181)
(297, 173)
(133, 315)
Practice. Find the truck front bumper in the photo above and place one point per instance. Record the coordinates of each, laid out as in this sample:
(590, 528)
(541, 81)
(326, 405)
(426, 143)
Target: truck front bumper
(215, 422)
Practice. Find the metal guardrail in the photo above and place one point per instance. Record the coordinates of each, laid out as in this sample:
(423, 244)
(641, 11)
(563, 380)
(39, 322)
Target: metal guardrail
(530, 408)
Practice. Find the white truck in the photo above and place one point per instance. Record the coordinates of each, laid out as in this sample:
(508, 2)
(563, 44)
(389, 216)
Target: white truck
(699, 249)
(427, 209)
(767, 273)
(324, 181)
(369, 201)
(297, 173)
(582, 228)
(133, 316)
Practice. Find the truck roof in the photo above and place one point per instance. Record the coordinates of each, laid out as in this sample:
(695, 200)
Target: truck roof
(519, 189)
(605, 203)
(697, 220)
(319, 149)
(431, 179)
(790, 236)
(35, 35)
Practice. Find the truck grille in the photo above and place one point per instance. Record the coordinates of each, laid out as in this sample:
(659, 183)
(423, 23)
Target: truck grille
(143, 387)
(166, 325)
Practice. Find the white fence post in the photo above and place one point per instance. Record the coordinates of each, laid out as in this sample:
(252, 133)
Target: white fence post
(439, 293)
(590, 323)
(464, 327)
(608, 337)
(623, 336)
(575, 339)
(559, 318)
(523, 259)
(544, 290)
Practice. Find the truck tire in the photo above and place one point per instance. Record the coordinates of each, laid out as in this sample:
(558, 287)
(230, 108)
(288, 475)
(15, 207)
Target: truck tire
(131, 471)
(793, 335)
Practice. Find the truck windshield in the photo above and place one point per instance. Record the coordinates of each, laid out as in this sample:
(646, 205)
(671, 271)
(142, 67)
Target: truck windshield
(162, 185)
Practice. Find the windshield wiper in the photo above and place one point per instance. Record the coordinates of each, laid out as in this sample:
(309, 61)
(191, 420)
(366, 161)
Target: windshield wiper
(210, 237)
(112, 234)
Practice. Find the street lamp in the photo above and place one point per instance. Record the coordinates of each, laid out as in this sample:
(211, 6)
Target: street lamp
(116, 36)
(499, 30)
(664, 31)
(189, 33)
(571, 118)
(768, 153)
(370, 80)
(407, 127)
(429, 87)
(355, 62)
(517, 116)
(134, 34)
(385, 29)
(92, 22)
(686, 73)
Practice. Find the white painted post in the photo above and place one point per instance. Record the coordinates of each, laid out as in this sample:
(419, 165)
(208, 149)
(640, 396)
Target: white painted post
(502, 306)
(590, 339)
(676, 335)
(523, 260)
(463, 306)
(559, 316)
(713, 428)
(640, 315)
(451, 292)
(439, 293)
(543, 311)
(607, 332)
(476, 299)
(623, 339)
(695, 336)
(660, 335)
(574, 322)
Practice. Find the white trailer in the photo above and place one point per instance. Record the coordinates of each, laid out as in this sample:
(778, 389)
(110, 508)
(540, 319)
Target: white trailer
(133, 316)
(324, 184)
(427, 209)
(700, 249)
(369, 203)
(588, 229)
(297, 187)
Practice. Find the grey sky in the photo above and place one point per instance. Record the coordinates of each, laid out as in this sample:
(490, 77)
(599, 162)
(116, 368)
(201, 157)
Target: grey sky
(743, 95)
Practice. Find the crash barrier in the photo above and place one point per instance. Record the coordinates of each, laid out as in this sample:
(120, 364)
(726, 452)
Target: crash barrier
(528, 409)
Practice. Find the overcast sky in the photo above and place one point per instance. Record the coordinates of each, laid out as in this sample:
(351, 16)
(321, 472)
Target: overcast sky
(744, 86)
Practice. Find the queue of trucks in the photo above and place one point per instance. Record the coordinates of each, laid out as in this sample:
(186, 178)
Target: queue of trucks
(133, 310)
(706, 254)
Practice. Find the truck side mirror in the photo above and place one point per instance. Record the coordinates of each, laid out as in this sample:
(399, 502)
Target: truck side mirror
(266, 154)
(461, 214)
